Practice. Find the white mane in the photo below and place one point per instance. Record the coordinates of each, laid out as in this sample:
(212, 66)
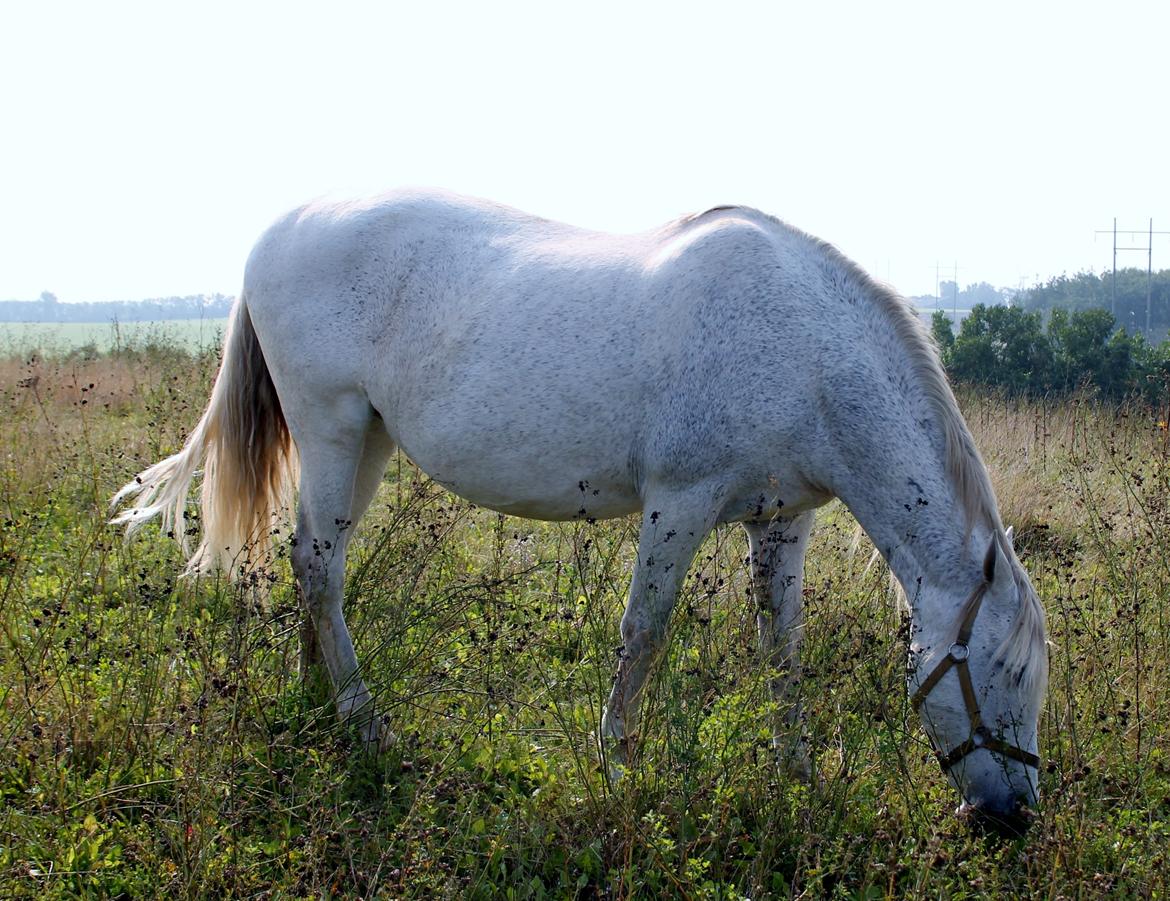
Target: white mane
(1025, 650)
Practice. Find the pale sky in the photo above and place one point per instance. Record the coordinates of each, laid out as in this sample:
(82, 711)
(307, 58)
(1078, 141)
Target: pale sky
(144, 147)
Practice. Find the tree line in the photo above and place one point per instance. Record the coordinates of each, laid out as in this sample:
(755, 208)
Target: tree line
(48, 309)
(1126, 297)
(1013, 349)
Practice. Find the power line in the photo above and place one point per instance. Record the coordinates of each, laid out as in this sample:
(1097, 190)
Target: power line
(954, 292)
(1148, 247)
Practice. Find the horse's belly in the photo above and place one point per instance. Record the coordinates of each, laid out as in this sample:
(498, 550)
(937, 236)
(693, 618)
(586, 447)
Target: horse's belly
(543, 440)
(533, 486)
(566, 505)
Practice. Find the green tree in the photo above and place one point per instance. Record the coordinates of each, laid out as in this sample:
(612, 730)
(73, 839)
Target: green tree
(1088, 348)
(1004, 347)
(1078, 342)
(1151, 372)
(1086, 290)
(944, 335)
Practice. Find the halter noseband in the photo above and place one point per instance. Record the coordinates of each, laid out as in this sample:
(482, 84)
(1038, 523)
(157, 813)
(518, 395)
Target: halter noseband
(956, 658)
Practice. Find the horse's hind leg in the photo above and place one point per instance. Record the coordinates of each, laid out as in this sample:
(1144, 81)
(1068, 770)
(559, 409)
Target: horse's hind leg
(673, 527)
(777, 564)
(375, 454)
(333, 454)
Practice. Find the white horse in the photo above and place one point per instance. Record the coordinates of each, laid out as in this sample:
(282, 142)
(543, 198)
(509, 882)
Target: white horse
(723, 368)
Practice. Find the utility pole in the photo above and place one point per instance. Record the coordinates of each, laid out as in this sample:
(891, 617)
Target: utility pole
(955, 296)
(938, 301)
(1149, 249)
(1149, 274)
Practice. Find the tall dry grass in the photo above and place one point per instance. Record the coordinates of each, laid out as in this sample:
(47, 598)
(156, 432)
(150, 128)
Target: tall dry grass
(155, 740)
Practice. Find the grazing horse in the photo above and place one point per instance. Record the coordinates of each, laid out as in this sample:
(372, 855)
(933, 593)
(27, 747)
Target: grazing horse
(725, 367)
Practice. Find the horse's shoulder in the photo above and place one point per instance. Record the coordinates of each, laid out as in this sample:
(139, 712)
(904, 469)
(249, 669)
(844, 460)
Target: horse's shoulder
(730, 212)
(725, 234)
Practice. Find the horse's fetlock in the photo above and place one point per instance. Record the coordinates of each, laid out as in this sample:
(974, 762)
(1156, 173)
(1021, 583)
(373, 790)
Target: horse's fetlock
(314, 606)
(638, 641)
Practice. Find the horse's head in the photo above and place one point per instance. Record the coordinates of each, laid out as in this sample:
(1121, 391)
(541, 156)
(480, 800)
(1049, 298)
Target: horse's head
(978, 680)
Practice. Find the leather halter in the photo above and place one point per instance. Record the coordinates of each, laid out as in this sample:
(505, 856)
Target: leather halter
(956, 658)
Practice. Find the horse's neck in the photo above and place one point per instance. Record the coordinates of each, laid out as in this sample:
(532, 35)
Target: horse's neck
(898, 486)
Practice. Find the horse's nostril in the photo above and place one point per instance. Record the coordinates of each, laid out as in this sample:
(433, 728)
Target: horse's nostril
(1005, 824)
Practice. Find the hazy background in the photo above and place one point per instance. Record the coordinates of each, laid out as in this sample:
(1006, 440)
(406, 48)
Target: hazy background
(143, 149)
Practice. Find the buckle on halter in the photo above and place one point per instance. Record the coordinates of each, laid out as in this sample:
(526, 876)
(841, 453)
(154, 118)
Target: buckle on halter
(959, 652)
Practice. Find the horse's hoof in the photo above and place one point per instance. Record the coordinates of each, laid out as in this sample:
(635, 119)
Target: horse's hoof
(376, 736)
(799, 767)
(386, 738)
(793, 760)
(616, 756)
(615, 770)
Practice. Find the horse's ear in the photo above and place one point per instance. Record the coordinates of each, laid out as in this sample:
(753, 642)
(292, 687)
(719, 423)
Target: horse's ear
(989, 561)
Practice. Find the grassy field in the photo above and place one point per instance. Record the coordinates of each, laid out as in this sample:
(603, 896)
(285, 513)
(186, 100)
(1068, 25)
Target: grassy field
(20, 339)
(155, 739)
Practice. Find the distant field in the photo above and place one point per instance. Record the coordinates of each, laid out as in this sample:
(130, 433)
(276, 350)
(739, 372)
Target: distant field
(21, 338)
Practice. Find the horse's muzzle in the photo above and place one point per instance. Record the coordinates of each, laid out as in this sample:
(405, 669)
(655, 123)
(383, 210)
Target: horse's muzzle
(985, 818)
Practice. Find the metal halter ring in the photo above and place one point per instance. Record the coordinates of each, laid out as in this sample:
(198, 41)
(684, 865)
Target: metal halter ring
(956, 658)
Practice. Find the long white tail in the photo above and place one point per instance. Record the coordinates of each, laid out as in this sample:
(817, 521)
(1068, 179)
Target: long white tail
(248, 458)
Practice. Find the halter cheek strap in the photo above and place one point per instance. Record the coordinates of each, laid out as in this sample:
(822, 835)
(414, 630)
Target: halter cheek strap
(956, 658)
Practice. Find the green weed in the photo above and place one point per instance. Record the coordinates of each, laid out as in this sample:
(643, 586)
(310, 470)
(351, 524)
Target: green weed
(155, 739)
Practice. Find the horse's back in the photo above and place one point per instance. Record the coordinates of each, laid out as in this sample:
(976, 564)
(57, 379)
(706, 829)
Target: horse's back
(519, 360)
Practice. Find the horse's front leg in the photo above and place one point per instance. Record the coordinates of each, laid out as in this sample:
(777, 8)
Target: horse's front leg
(777, 565)
(673, 527)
